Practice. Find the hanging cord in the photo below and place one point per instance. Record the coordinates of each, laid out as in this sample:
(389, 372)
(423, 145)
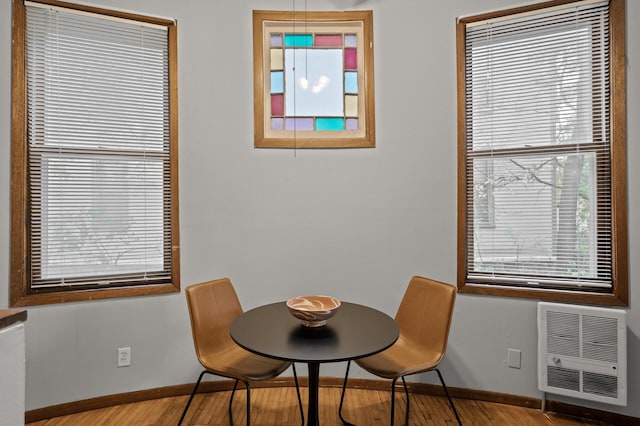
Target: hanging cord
(306, 48)
(306, 68)
(295, 126)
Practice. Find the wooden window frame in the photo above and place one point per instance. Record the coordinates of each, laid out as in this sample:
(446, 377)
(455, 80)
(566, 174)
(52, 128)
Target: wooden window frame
(264, 137)
(21, 293)
(620, 280)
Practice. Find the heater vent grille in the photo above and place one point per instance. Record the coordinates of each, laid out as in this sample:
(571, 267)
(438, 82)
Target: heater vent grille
(563, 378)
(600, 338)
(563, 330)
(582, 352)
(600, 384)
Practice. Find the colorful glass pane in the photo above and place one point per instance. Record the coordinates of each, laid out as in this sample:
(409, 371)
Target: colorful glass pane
(350, 40)
(351, 123)
(328, 40)
(350, 59)
(276, 39)
(277, 82)
(329, 123)
(299, 123)
(298, 40)
(277, 104)
(351, 106)
(350, 82)
(277, 124)
(276, 59)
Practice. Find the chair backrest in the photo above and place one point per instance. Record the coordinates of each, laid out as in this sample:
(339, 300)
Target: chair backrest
(424, 315)
(213, 305)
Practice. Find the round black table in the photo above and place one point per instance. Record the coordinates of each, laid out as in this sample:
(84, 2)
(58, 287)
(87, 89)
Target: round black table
(355, 331)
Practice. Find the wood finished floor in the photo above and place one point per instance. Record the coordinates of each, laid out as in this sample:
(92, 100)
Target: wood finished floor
(278, 406)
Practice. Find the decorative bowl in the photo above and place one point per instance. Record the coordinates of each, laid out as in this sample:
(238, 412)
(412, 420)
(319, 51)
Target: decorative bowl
(313, 311)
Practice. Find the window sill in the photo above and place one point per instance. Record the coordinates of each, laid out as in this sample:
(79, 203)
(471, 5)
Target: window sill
(98, 294)
(567, 296)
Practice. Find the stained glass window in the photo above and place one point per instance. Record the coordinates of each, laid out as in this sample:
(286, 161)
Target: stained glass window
(314, 80)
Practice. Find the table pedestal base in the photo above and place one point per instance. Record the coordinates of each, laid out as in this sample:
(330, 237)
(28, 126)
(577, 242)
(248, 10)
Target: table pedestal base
(312, 410)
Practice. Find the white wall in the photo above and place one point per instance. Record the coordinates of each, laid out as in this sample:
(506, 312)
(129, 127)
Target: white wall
(356, 224)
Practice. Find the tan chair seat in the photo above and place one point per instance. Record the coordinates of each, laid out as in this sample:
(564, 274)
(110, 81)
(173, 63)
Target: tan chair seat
(401, 359)
(240, 364)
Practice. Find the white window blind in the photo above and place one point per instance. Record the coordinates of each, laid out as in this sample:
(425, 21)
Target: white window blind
(538, 176)
(98, 149)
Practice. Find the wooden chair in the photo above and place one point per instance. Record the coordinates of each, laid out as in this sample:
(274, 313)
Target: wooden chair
(213, 306)
(424, 319)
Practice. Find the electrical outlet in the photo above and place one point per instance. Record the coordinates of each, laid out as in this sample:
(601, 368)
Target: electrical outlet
(124, 357)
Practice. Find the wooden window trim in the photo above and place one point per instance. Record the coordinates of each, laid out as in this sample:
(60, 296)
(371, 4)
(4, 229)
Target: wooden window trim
(619, 295)
(21, 293)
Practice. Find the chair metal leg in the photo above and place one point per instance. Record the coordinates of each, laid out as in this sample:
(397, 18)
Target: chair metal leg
(393, 400)
(453, 407)
(195, 388)
(233, 392)
(344, 387)
(248, 403)
(295, 379)
(406, 394)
